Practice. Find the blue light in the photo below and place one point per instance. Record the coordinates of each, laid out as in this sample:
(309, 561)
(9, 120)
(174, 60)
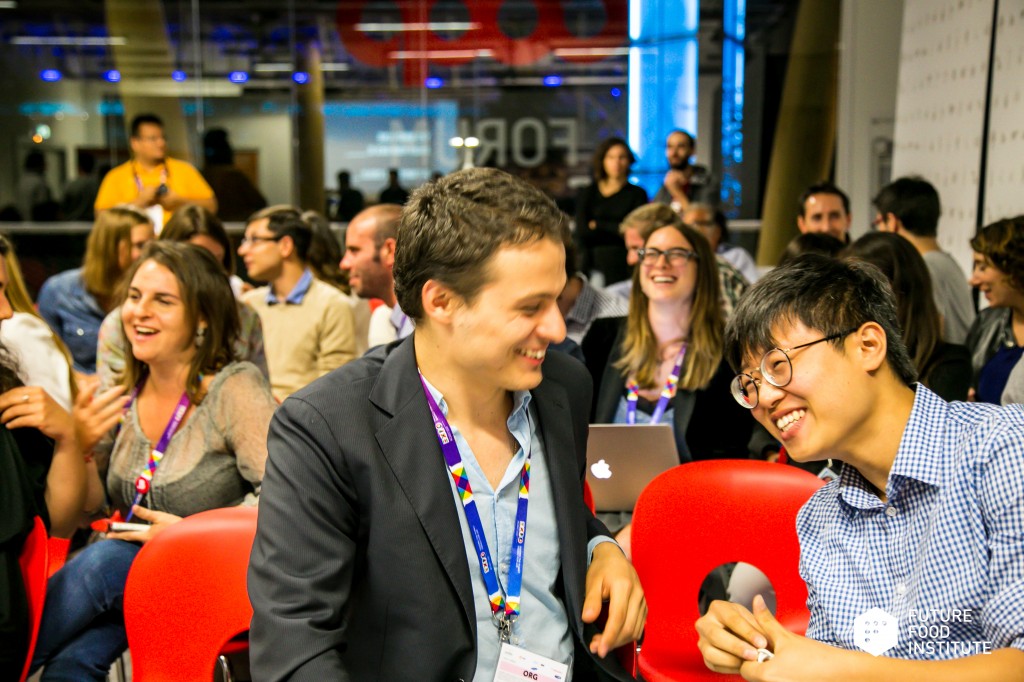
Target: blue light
(300, 77)
(50, 75)
(433, 83)
(552, 81)
(238, 77)
(616, 93)
(112, 76)
(179, 75)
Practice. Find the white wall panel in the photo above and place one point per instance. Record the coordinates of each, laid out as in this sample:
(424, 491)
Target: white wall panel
(940, 108)
(1004, 177)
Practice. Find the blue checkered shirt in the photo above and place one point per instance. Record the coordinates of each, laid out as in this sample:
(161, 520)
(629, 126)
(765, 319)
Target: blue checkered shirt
(945, 550)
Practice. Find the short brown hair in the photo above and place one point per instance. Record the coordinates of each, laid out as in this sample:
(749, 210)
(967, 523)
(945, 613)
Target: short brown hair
(451, 227)
(206, 294)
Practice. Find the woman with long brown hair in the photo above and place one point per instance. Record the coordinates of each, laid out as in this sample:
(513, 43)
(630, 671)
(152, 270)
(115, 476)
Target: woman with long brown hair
(75, 302)
(192, 437)
(667, 364)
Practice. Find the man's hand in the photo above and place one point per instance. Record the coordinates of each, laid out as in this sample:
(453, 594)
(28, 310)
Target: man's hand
(796, 658)
(730, 635)
(146, 197)
(611, 578)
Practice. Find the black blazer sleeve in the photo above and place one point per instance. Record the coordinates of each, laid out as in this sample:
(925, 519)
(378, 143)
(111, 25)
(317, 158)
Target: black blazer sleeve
(305, 505)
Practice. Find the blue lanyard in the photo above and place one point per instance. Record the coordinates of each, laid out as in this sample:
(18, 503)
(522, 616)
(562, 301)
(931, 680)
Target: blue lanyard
(504, 607)
(667, 393)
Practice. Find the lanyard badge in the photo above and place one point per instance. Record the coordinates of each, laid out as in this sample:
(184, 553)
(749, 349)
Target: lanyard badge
(505, 607)
(667, 393)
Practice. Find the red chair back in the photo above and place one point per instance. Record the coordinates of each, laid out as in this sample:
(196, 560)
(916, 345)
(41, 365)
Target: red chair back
(186, 595)
(57, 554)
(696, 517)
(33, 572)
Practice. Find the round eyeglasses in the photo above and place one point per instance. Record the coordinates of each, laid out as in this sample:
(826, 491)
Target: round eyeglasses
(777, 369)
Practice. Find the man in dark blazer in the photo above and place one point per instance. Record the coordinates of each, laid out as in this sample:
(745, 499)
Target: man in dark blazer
(362, 567)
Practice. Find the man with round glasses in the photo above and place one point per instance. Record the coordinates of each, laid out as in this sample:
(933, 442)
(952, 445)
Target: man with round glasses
(914, 556)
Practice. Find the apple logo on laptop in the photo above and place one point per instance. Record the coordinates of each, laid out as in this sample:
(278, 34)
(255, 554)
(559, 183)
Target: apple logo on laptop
(600, 469)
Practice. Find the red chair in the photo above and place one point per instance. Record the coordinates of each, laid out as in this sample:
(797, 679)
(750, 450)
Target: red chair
(57, 554)
(696, 517)
(33, 572)
(186, 598)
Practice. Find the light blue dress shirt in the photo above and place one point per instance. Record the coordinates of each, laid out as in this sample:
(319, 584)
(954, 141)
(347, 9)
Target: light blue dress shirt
(542, 627)
(297, 293)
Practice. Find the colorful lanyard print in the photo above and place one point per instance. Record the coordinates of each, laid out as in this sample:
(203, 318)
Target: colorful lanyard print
(143, 482)
(504, 608)
(138, 180)
(667, 393)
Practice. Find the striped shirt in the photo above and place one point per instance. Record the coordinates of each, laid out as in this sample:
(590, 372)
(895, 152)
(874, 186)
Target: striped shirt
(944, 555)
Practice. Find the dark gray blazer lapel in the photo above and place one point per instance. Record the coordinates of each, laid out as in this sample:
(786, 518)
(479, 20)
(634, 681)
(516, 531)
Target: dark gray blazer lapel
(411, 449)
(556, 428)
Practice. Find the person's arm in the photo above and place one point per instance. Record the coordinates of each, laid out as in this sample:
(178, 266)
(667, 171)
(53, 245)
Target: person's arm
(730, 635)
(337, 342)
(32, 407)
(172, 201)
(244, 409)
(303, 558)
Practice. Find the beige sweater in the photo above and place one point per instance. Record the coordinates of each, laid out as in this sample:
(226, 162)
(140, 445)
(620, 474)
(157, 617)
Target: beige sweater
(305, 341)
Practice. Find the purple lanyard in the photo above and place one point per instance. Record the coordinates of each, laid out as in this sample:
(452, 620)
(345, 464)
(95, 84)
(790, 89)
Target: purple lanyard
(504, 608)
(667, 393)
(143, 482)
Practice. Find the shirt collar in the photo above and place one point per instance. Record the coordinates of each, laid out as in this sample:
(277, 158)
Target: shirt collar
(400, 321)
(918, 458)
(297, 293)
(520, 401)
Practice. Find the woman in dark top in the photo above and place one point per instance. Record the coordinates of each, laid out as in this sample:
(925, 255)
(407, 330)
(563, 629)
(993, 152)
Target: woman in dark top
(996, 339)
(675, 318)
(42, 473)
(600, 208)
(945, 368)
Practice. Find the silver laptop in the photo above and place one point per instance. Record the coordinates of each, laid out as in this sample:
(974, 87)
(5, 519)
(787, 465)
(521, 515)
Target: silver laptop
(622, 460)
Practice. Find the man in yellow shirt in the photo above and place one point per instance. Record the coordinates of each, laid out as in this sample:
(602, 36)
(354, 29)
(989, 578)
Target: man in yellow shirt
(152, 181)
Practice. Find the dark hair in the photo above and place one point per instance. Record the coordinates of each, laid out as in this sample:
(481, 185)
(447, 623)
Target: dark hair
(825, 294)
(1002, 243)
(717, 217)
(8, 363)
(86, 162)
(811, 242)
(324, 253)
(908, 276)
(191, 220)
(206, 294)
(823, 188)
(143, 119)
(691, 138)
(602, 151)
(216, 148)
(287, 221)
(451, 227)
(914, 201)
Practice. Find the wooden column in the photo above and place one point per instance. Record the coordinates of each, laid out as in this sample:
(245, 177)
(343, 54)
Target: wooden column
(805, 134)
